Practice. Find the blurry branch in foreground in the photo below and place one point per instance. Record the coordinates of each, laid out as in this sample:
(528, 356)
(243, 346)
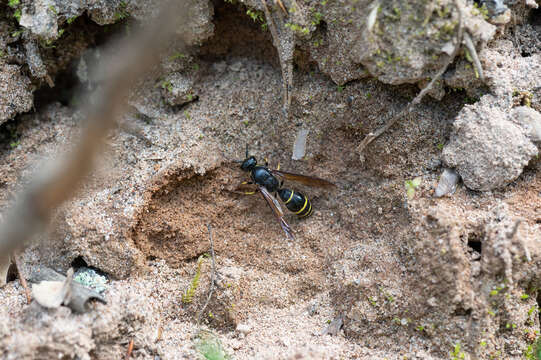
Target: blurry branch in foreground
(128, 60)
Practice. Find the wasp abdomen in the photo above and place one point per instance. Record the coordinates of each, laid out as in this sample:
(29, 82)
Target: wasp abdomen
(296, 202)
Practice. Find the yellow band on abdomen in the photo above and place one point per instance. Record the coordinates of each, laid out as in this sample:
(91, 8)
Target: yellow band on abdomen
(303, 207)
(290, 197)
(308, 212)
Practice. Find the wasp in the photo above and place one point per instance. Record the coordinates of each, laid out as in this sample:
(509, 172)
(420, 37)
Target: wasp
(271, 181)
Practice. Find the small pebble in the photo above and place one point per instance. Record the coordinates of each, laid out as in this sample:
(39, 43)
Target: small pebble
(244, 328)
(447, 184)
(299, 147)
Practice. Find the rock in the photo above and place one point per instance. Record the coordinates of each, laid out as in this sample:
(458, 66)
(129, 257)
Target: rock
(34, 61)
(15, 94)
(529, 119)
(244, 328)
(178, 90)
(507, 71)
(498, 12)
(487, 149)
(532, 4)
(43, 21)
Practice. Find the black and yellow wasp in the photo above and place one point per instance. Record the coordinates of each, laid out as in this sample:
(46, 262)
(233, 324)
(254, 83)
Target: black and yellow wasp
(267, 184)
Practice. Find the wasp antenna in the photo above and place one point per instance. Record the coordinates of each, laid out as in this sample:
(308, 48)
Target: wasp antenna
(247, 151)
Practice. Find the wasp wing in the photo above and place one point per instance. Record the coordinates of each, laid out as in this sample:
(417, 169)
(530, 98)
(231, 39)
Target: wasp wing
(303, 179)
(277, 210)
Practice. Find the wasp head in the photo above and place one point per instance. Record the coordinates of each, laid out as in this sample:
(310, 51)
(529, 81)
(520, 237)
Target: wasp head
(249, 164)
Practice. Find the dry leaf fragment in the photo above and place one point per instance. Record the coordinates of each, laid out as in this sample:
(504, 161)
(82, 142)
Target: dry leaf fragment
(71, 294)
(299, 147)
(52, 294)
(447, 183)
(48, 293)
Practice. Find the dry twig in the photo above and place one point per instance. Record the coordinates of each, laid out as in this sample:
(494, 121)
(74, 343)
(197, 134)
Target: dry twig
(130, 350)
(372, 136)
(22, 279)
(281, 5)
(212, 275)
(285, 64)
(473, 52)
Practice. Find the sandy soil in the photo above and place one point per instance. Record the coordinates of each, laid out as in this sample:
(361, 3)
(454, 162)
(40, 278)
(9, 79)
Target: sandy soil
(410, 278)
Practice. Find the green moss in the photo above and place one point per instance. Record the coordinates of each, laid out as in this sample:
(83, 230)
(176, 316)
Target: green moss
(443, 11)
(303, 30)
(456, 354)
(14, 4)
(53, 10)
(17, 15)
(533, 351)
(318, 42)
(178, 55)
(210, 348)
(477, 10)
(71, 20)
(292, 9)
(166, 84)
(190, 292)
(317, 17)
(122, 12)
(411, 186)
(257, 16)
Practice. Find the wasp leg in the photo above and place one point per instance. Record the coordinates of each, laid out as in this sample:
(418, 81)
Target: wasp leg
(278, 167)
(243, 192)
